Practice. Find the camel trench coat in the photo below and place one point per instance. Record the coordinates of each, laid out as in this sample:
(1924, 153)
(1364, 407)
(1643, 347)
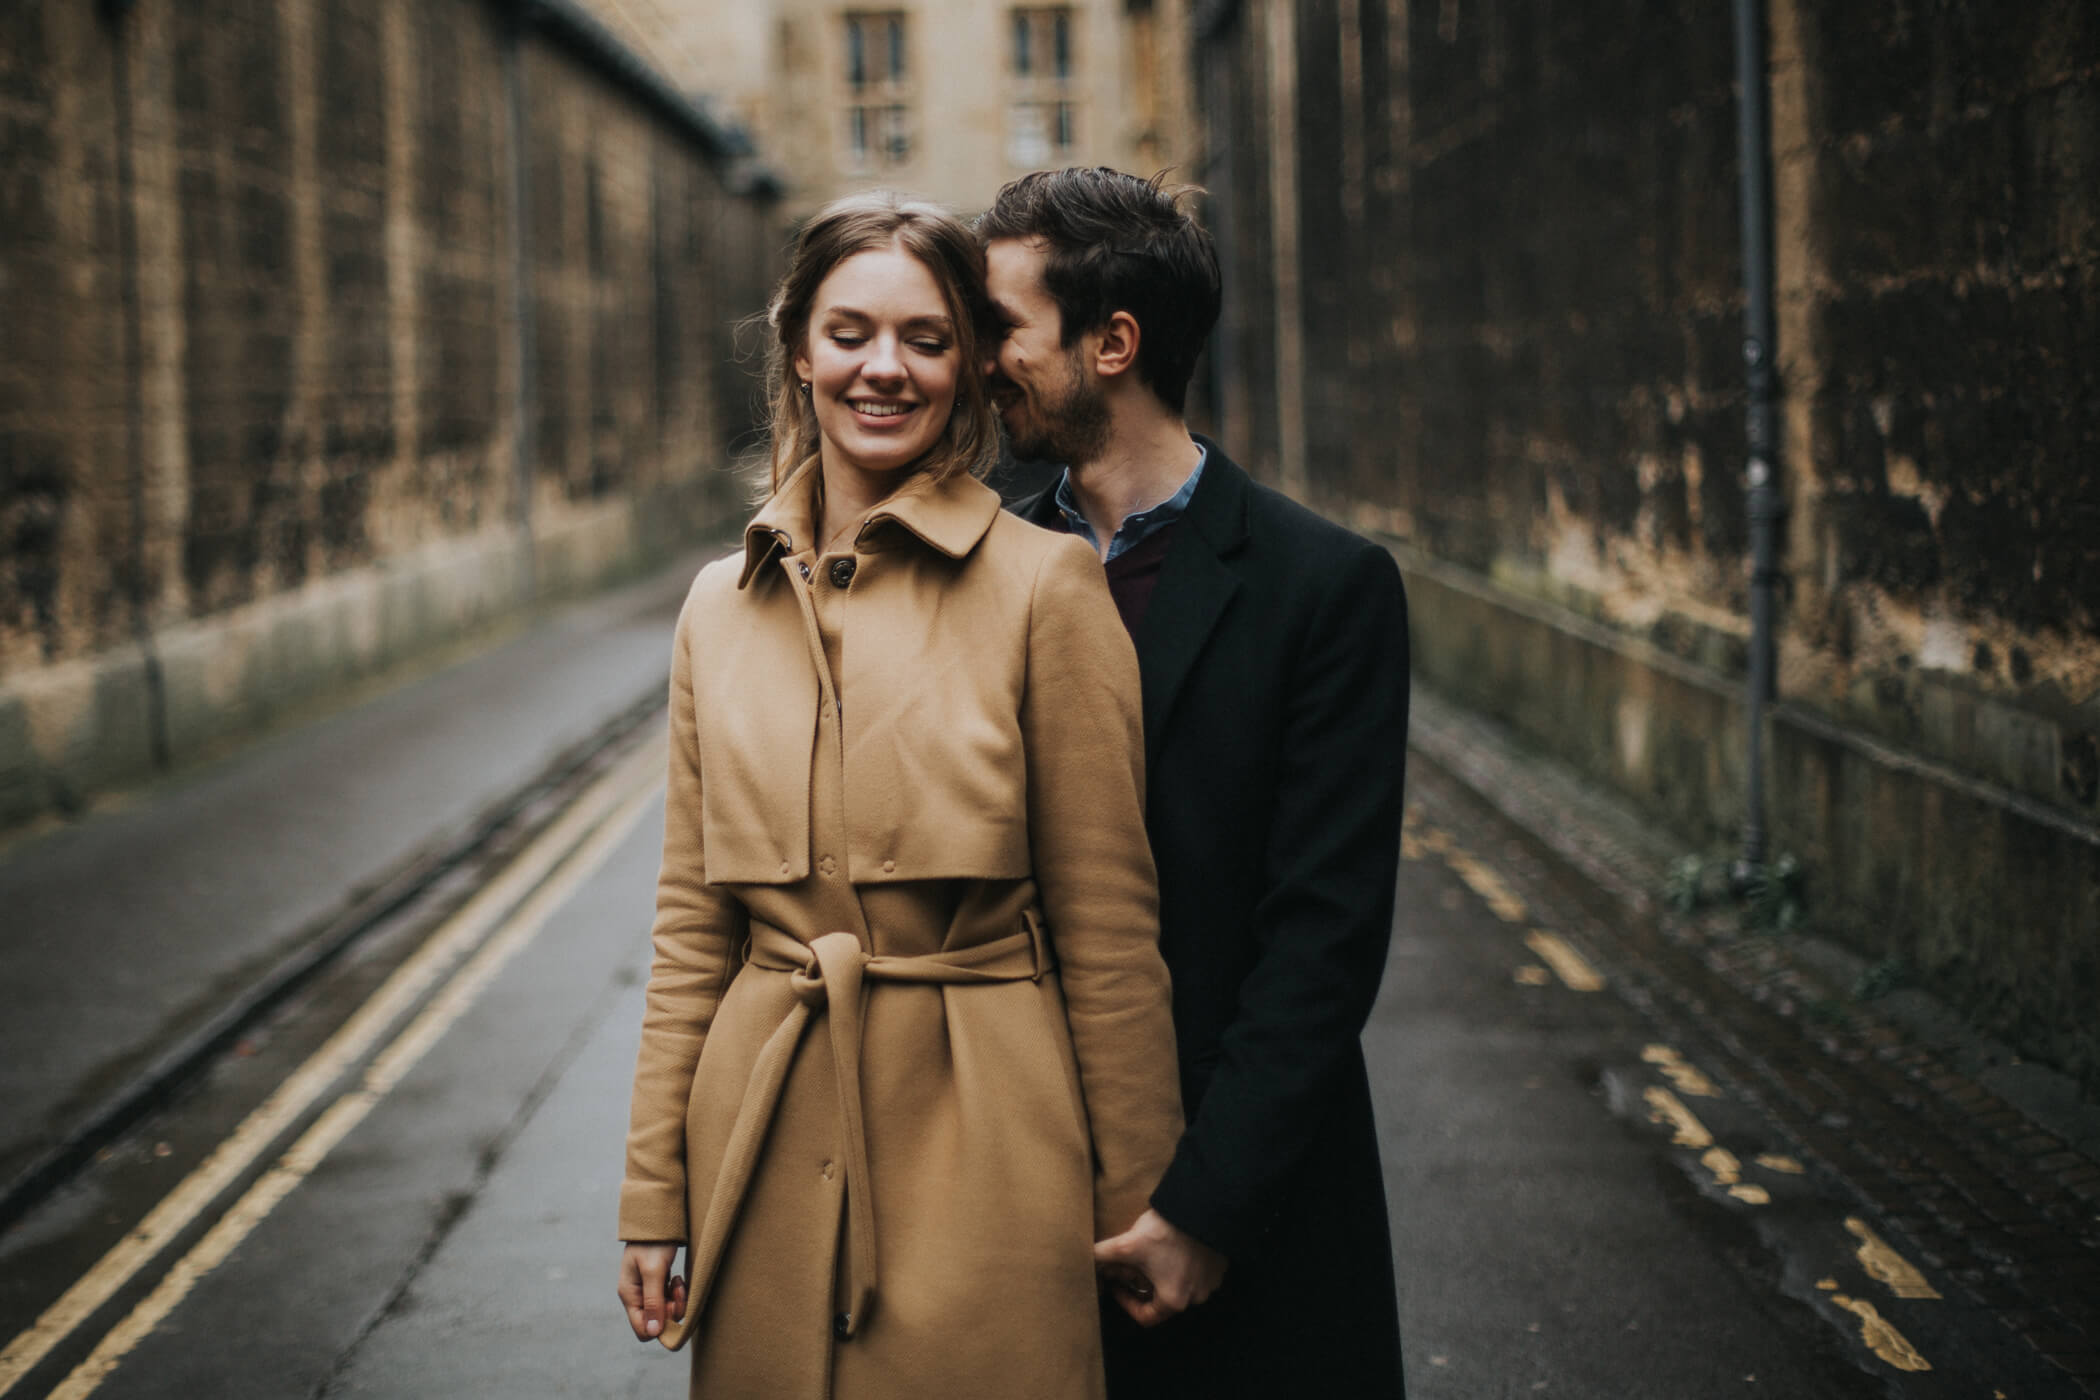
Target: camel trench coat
(907, 1047)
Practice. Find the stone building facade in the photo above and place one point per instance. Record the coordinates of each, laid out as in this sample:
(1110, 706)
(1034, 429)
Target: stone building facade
(336, 328)
(1486, 299)
(947, 98)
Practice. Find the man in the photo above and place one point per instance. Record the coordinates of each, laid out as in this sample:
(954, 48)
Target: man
(1273, 650)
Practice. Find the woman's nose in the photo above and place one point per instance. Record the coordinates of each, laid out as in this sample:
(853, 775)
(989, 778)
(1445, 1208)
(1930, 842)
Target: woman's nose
(883, 361)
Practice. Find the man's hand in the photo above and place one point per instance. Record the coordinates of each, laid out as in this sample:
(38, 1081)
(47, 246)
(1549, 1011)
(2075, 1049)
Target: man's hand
(1182, 1270)
(647, 1288)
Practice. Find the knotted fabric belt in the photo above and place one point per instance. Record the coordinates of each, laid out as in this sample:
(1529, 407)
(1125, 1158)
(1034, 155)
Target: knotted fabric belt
(828, 976)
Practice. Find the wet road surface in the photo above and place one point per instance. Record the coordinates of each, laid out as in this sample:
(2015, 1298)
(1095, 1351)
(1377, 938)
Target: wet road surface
(1579, 1208)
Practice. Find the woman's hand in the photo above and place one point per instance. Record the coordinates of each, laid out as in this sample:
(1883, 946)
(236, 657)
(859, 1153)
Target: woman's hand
(649, 1290)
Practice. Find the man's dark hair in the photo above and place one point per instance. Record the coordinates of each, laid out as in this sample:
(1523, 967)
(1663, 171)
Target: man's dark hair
(1115, 242)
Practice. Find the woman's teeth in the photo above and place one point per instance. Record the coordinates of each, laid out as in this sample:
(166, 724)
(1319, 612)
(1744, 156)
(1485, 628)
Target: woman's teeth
(881, 410)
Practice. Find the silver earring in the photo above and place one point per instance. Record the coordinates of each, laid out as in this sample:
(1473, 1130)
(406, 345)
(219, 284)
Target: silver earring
(805, 388)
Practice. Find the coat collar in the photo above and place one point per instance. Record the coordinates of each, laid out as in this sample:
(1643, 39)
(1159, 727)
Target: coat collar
(949, 517)
(1196, 582)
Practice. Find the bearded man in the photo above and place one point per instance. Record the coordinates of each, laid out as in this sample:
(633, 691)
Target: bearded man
(1272, 646)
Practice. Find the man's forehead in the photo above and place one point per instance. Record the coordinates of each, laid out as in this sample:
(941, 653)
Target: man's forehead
(1016, 263)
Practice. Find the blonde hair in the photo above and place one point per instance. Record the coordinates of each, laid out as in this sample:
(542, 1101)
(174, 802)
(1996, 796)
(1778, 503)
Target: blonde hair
(856, 224)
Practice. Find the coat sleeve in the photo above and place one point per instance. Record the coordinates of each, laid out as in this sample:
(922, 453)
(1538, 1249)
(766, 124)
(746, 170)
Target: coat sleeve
(1083, 738)
(697, 929)
(1323, 924)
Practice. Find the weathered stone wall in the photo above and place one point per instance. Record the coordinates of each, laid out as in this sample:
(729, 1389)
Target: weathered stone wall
(335, 327)
(1487, 301)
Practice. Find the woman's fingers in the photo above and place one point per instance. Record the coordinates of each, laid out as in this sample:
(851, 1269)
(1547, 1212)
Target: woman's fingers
(631, 1293)
(653, 1300)
(677, 1297)
(644, 1283)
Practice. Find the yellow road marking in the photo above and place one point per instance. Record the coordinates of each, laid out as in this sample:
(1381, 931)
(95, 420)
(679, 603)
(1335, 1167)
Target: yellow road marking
(1435, 838)
(1411, 847)
(1488, 885)
(1728, 1171)
(1828, 1285)
(614, 794)
(1666, 1107)
(1574, 969)
(1773, 1162)
(1899, 1275)
(386, 1071)
(1680, 1071)
(1882, 1338)
(1532, 975)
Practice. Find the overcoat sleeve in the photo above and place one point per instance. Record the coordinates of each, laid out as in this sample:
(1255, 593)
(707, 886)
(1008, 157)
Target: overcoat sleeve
(697, 930)
(1083, 737)
(1325, 920)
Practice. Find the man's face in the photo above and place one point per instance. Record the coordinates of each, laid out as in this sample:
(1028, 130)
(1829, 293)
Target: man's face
(1047, 396)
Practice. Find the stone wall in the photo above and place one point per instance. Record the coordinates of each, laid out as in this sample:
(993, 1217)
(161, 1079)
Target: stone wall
(336, 327)
(1485, 300)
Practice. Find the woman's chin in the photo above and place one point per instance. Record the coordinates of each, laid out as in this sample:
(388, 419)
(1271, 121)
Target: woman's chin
(884, 459)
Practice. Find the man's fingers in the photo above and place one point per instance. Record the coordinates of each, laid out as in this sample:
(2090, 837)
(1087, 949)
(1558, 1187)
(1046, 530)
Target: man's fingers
(1143, 1313)
(1117, 1249)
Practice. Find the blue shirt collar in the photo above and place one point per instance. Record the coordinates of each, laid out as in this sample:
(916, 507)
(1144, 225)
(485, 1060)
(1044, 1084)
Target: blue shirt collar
(1137, 525)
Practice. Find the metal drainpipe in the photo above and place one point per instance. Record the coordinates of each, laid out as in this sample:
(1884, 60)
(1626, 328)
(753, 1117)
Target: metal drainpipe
(114, 13)
(1754, 146)
(523, 404)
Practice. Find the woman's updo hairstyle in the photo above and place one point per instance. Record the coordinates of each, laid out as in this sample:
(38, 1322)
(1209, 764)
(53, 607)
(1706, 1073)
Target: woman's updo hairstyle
(939, 240)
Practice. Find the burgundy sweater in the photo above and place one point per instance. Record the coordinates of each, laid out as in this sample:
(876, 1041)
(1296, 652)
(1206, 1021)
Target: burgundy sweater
(1133, 574)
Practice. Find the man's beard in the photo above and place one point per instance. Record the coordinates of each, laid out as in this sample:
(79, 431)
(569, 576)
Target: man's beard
(1071, 428)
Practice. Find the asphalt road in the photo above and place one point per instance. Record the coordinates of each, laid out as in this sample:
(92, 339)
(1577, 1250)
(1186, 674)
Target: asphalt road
(1555, 1231)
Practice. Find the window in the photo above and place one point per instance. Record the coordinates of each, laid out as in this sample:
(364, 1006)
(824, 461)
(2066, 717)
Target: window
(878, 97)
(1042, 121)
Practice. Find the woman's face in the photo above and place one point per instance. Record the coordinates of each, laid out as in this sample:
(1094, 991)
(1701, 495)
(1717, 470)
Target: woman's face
(881, 360)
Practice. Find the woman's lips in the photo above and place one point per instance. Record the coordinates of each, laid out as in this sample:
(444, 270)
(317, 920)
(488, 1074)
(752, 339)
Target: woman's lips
(876, 414)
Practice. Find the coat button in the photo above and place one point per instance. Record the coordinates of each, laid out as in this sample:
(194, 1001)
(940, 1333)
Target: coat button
(842, 1327)
(889, 867)
(785, 867)
(842, 571)
(828, 865)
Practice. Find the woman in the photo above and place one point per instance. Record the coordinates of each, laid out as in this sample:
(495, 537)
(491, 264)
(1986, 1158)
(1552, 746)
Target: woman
(907, 1049)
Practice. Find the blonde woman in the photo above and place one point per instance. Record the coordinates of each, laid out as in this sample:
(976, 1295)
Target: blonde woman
(907, 1050)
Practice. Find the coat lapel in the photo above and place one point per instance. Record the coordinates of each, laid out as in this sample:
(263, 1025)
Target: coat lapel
(1195, 586)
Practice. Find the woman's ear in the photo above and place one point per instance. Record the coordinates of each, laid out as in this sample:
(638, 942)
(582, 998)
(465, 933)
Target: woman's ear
(801, 366)
(1116, 349)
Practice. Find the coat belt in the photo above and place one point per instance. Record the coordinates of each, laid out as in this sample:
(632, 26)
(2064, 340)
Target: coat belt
(828, 975)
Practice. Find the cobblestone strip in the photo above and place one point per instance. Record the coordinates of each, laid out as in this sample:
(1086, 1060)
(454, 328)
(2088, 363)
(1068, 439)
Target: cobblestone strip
(1986, 1196)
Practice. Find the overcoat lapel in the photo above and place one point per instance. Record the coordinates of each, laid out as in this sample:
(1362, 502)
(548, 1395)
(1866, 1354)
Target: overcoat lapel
(1195, 587)
(1196, 583)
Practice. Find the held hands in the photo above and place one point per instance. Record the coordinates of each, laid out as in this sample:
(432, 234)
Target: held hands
(649, 1290)
(1154, 1270)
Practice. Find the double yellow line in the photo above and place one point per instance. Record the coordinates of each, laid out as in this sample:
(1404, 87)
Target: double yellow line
(460, 958)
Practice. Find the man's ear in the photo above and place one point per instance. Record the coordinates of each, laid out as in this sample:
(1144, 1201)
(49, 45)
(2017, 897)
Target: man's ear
(1116, 346)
